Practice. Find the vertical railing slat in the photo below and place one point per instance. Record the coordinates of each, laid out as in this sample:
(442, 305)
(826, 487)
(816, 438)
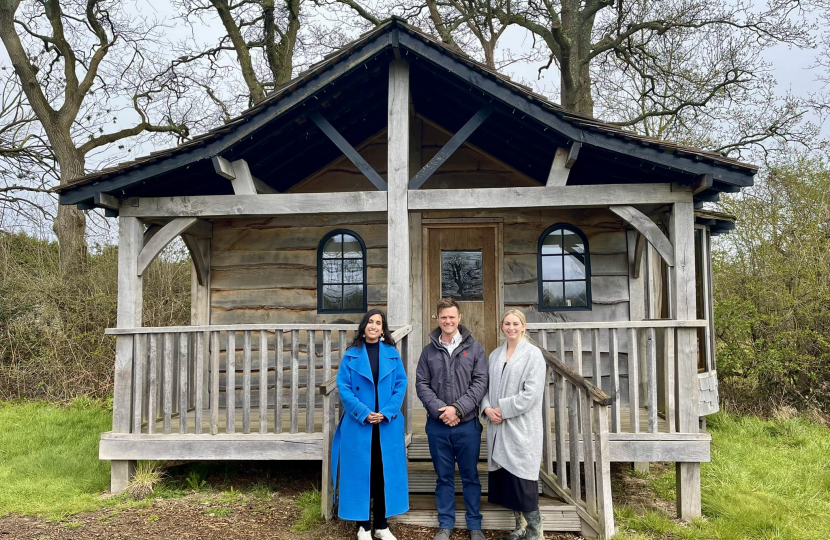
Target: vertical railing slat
(561, 411)
(183, 369)
(167, 381)
(588, 453)
(577, 352)
(547, 441)
(230, 384)
(139, 363)
(214, 383)
(310, 380)
(671, 358)
(263, 381)
(246, 381)
(605, 507)
(295, 379)
(201, 342)
(278, 379)
(633, 381)
(596, 356)
(573, 439)
(560, 347)
(651, 374)
(614, 355)
(152, 385)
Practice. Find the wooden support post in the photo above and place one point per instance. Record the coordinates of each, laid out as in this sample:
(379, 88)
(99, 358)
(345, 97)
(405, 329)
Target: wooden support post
(681, 229)
(130, 242)
(398, 300)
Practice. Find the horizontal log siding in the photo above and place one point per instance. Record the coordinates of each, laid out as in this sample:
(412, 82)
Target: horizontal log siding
(265, 270)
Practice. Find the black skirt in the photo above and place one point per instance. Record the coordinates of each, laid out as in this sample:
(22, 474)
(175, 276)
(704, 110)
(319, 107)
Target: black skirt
(512, 492)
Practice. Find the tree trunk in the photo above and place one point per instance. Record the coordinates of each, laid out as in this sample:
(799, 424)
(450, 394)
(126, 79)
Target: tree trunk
(574, 63)
(575, 90)
(70, 225)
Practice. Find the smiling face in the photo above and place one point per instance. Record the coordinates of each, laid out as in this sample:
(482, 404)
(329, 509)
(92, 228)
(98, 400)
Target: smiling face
(512, 327)
(374, 328)
(448, 319)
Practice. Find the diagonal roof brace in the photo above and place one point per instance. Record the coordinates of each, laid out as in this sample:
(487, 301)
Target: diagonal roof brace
(452, 145)
(347, 149)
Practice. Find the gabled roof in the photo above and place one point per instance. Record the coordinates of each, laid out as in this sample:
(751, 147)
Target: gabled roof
(351, 83)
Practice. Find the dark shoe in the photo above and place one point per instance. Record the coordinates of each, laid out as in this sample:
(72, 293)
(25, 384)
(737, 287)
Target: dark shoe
(519, 531)
(442, 534)
(477, 535)
(533, 531)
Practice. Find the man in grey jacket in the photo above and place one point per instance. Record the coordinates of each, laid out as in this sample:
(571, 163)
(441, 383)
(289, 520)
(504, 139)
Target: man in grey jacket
(451, 380)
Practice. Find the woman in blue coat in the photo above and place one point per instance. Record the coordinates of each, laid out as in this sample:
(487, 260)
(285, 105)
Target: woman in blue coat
(371, 430)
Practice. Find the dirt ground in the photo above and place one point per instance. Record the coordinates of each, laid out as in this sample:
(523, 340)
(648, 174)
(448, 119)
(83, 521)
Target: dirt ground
(268, 513)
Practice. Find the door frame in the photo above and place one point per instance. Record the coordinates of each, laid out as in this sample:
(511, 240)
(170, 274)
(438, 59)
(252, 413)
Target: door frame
(496, 223)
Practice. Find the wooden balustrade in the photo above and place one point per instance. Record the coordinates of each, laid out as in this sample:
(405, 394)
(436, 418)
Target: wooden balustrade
(184, 377)
(634, 362)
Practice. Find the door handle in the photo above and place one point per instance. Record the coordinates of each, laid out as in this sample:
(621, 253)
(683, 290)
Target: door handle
(433, 317)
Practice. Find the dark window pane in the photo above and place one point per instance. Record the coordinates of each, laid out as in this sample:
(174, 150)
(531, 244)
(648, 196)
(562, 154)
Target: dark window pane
(332, 297)
(332, 271)
(572, 242)
(334, 247)
(351, 247)
(552, 294)
(574, 267)
(353, 271)
(552, 245)
(352, 296)
(575, 295)
(551, 268)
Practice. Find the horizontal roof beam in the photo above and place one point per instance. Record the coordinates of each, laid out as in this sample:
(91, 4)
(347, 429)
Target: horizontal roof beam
(545, 196)
(217, 206)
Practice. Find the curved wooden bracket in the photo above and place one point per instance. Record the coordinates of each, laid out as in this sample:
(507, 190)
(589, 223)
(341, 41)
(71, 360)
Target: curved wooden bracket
(193, 226)
(648, 229)
(199, 250)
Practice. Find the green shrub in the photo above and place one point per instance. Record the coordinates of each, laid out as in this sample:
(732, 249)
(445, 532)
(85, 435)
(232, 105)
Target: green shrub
(772, 291)
(53, 345)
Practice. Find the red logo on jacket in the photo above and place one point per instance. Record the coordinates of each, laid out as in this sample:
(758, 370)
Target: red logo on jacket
(464, 353)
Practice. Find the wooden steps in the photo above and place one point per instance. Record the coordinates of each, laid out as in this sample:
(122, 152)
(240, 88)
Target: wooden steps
(556, 515)
(418, 449)
(422, 478)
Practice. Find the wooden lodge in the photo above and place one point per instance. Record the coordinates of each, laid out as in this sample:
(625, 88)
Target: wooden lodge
(394, 172)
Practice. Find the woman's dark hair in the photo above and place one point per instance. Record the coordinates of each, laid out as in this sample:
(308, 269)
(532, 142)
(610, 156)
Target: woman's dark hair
(386, 336)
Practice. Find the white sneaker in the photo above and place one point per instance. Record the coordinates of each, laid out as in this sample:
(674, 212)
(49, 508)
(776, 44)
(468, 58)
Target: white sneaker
(384, 534)
(363, 534)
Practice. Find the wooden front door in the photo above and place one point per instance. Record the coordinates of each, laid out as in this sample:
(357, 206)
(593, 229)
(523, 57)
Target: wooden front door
(462, 263)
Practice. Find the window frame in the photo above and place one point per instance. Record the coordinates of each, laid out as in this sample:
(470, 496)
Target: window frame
(540, 277)
(328, 236)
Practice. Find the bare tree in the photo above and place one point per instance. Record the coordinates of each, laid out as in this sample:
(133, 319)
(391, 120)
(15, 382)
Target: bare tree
(80, 64)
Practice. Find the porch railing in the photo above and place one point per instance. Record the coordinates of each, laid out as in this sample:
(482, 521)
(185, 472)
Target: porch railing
(194, 379)
(634, 362)
(579, 445)
(331, 404)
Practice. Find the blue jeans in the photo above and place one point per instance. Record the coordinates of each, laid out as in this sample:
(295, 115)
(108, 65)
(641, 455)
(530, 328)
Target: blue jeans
(447, 446)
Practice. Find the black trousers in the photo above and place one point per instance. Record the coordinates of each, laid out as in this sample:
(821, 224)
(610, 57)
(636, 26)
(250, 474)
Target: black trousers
(376, 488)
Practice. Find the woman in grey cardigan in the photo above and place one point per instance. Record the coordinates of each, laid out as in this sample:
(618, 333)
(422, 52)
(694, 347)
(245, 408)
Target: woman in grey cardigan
(512, 411)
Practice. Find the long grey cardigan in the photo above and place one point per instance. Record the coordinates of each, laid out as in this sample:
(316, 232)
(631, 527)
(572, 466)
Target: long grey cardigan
(516, 443)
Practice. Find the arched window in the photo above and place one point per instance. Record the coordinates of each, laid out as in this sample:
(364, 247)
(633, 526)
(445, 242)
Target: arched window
(341, 273)
(564, 269)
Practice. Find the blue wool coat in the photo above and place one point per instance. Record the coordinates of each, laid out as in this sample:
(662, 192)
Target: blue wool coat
(354, 433)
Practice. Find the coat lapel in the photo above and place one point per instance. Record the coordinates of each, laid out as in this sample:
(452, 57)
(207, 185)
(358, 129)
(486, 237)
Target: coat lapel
(386, 360)
(360, 362)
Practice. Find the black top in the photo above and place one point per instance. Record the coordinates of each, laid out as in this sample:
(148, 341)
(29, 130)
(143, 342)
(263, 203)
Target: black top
(373, 350)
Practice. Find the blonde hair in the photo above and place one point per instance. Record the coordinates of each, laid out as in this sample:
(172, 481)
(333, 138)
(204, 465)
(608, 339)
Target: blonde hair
(519, 315)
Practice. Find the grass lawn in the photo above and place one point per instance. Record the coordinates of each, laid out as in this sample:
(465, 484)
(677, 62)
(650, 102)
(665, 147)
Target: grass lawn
(768, 480)
(49, 458)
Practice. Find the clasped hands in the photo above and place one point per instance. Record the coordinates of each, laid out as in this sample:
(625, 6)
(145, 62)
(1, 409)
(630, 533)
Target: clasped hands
(375, 418)
(449, 415)
(494, 414)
